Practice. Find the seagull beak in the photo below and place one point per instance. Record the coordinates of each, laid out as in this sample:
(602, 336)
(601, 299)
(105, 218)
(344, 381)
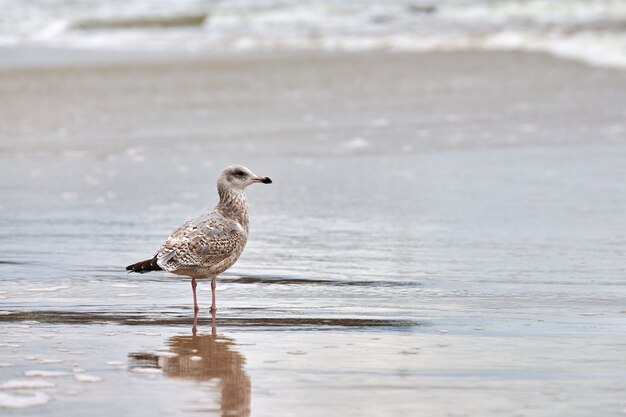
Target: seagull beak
(264, 180)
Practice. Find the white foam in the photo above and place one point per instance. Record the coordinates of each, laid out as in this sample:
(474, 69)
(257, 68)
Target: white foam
(166, 354)
(147, 370)
(11, 400)
(44, 373)
(15, 384)
(87, 378)
(195, 358)
(125, 286)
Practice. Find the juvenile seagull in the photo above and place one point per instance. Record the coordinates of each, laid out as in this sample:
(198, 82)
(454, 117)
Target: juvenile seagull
(210, 244)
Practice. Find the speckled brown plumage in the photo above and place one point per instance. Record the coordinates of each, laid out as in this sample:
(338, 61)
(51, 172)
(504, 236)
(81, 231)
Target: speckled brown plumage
(205, 246)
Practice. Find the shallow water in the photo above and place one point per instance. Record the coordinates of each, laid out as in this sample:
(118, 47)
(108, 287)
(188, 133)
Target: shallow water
(411, 257)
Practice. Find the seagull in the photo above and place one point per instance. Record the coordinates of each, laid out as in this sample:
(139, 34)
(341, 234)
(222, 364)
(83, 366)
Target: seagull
(208, 245)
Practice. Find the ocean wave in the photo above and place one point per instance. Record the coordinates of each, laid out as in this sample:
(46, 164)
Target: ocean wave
(589, 31)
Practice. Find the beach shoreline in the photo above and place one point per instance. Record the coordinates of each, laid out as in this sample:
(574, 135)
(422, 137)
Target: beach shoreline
(119, 95)
(444, 235)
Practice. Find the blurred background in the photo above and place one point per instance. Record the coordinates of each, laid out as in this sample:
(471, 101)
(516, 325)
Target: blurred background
(586, 30)
(444, 236)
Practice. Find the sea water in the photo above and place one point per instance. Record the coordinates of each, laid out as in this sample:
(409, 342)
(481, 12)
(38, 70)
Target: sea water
(591, 31)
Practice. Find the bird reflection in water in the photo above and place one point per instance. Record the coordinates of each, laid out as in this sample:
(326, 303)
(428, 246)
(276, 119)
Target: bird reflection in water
(205, 358)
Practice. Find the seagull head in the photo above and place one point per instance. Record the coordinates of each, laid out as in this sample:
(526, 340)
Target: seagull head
(238, 177)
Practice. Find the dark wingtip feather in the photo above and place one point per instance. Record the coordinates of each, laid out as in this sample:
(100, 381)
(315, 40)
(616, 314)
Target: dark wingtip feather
(144, 266)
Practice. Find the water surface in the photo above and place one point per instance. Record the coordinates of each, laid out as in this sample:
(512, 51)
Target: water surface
(436, 241)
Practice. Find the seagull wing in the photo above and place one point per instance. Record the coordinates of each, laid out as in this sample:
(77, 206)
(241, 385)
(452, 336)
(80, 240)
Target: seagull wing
(201, 242)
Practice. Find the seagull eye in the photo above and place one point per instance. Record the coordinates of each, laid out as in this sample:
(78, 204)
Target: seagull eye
(239, 173)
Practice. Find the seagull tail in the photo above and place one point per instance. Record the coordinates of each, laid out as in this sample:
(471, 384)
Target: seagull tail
(144, 266)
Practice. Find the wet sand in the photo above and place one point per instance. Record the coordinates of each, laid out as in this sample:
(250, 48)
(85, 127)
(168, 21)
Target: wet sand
(444, 236)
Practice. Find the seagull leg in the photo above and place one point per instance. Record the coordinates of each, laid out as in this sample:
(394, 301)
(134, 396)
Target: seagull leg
(213, 286)
(194, 284)
(194, 329)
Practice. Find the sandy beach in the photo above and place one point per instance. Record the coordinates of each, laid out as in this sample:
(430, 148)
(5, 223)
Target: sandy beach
(445, 235)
